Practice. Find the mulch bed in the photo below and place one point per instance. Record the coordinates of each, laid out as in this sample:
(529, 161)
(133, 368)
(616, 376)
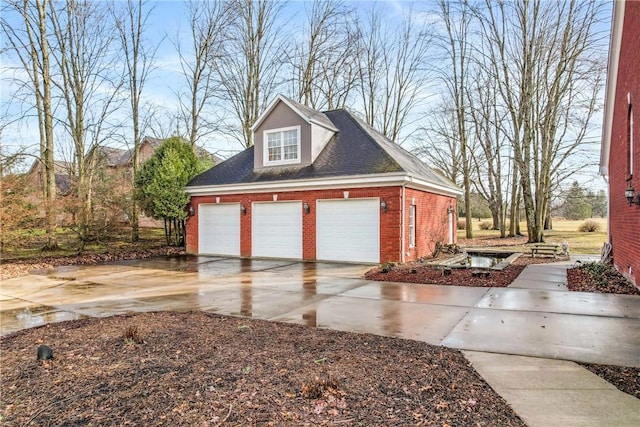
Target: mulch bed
(208, 370)
(433, 275)
(623, 378)
(416, 272)
(581, 280)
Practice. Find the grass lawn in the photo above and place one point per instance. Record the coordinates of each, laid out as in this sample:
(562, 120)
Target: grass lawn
(563, 231)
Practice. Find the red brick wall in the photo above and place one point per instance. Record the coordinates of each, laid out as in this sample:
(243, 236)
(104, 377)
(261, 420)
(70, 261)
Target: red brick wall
(433, 207)
(624, 220)
(432, 222)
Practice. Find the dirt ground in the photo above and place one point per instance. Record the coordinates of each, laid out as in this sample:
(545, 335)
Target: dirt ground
(200, 369)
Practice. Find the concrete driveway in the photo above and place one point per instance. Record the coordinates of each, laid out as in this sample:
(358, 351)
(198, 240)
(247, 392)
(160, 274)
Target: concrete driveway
(533, 322)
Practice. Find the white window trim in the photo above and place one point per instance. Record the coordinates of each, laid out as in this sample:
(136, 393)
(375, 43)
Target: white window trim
(265, 147)
(412, 226)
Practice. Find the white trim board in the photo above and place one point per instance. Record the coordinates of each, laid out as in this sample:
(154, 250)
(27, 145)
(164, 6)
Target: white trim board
(355, 181)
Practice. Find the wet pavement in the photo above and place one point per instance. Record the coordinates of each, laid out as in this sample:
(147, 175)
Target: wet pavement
(497, 327)
(555, 393)
(542, 320)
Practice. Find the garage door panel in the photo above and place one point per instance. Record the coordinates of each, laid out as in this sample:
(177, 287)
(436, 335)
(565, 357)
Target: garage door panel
(277, 230)
(219, 229)
(348, 230)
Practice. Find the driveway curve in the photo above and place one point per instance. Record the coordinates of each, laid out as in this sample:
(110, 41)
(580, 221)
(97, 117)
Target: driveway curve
(529, 321)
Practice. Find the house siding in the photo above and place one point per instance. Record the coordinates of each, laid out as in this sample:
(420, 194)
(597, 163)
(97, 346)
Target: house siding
(281, 117)
(431, 208)
(624, 220)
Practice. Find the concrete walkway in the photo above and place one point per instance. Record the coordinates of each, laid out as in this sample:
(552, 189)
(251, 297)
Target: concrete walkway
(536, 316)
(549, 392)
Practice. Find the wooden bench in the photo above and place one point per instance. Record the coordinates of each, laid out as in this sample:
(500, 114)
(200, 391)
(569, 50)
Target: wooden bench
(551, 250)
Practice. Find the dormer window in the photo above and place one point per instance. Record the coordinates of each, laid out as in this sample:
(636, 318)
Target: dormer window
(282, 146)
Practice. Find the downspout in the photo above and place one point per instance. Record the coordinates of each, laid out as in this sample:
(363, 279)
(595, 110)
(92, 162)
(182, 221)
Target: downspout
(608, 192)
(450, 221)
(402, 225)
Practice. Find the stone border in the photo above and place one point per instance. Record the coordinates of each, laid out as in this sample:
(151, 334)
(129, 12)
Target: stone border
(459, 261)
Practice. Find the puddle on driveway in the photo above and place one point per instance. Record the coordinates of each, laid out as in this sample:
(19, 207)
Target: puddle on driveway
(83, 286)
(23, 318)
(261, 288)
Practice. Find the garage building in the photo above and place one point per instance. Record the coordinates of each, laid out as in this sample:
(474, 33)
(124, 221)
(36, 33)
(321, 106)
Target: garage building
(320, 186)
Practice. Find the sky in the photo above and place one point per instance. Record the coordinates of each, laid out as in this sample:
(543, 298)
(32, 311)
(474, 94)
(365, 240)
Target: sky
(168, 20)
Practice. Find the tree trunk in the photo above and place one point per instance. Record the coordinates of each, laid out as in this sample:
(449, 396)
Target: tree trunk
(48, 164)
(513, 213)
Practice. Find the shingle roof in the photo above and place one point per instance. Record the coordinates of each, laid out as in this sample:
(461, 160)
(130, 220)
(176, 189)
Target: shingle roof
(120, 157)
(311, 114)
(114, 156)
(356, 149)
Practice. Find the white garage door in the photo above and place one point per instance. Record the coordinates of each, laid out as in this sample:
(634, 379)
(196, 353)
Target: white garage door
(276, 230)
(219, 229)
(348, 230)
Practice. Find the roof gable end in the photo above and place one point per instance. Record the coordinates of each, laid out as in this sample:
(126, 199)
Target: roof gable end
(307, 114)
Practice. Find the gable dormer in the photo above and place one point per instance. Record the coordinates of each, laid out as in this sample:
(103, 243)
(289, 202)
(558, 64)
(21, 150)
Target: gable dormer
(289, 134)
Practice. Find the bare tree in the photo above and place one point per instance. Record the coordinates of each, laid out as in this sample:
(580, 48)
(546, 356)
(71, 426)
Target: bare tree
(439, 145)
(84, 40)
(30, 43)
(249, 73)
(392, 71)
(132, 23)
(208, 22)
(543, 58)
(488, 161)
(323, 64)
(456, 43)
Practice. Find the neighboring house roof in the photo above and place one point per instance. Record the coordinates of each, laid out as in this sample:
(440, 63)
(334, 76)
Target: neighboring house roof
(200, 152)
(114, 156)
(612, 77)
(63, 183)
(61, 170)
(355, 150)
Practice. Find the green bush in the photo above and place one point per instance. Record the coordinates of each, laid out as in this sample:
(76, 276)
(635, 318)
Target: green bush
(589, 226)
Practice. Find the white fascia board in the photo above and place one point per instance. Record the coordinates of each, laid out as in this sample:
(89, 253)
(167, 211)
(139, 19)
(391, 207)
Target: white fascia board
(306, 118)
(612, 79)
(331, 128)
(420, 184)
(356, 181)
(267, 111)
